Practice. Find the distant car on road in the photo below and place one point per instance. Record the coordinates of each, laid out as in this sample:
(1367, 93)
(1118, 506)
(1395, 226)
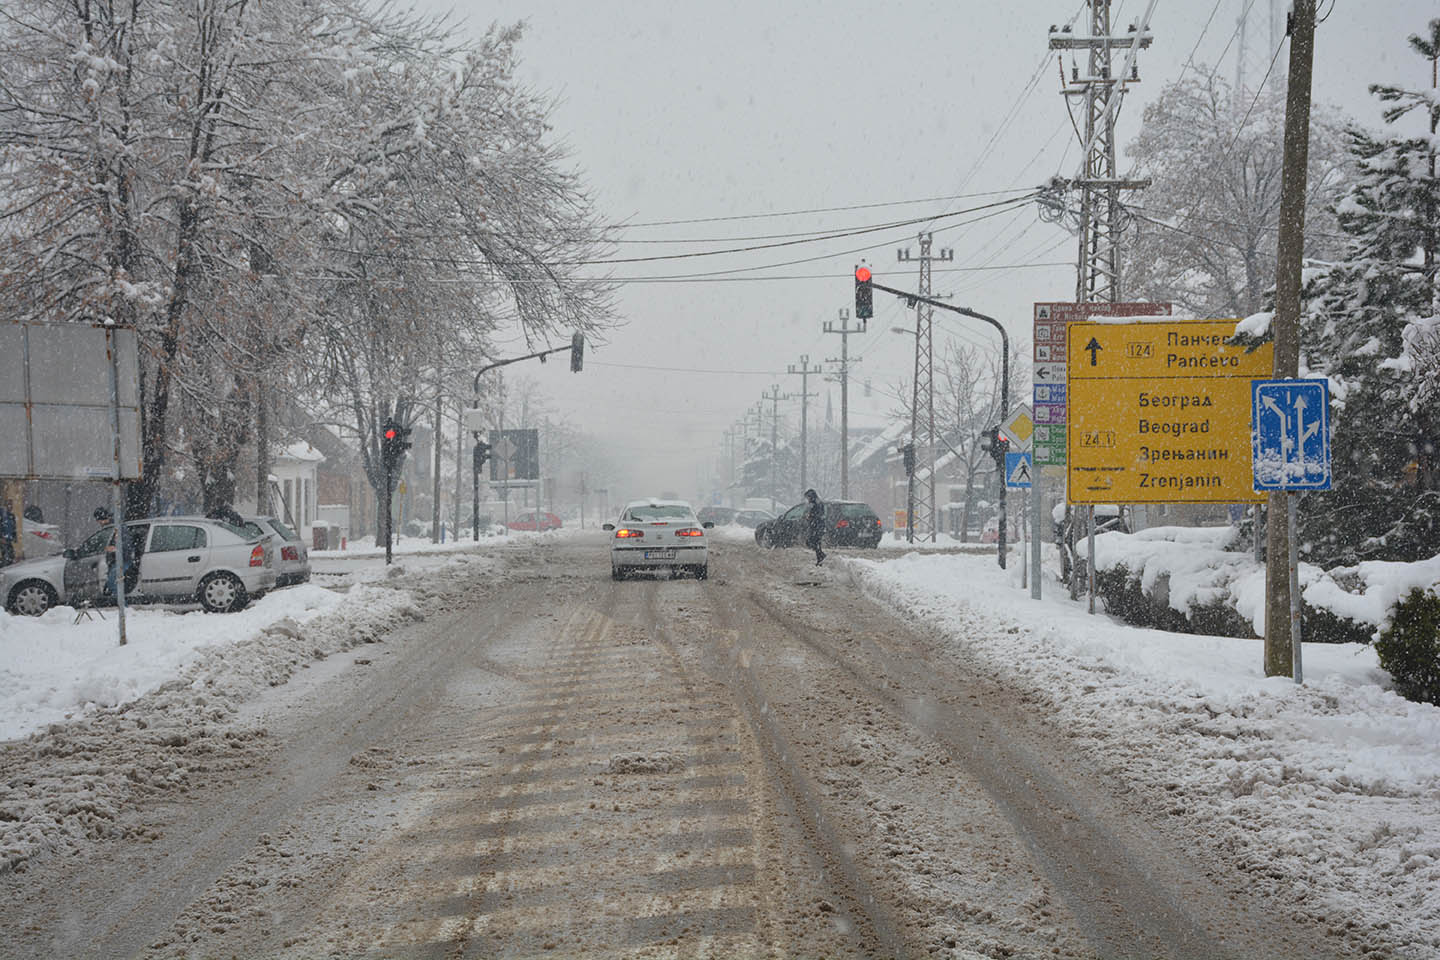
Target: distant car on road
(294, 557)
(526, 521)
(752, 518)
(180, 558)
(659, 534)
(719, 516)
(848, 523)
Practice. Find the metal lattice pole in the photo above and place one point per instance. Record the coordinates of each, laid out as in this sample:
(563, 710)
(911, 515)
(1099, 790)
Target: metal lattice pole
(1098, 268)
(922, 407)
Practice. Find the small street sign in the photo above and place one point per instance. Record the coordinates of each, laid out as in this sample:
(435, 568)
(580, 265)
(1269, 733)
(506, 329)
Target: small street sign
(1290, 434)
(1019, 427)
(1018, 470)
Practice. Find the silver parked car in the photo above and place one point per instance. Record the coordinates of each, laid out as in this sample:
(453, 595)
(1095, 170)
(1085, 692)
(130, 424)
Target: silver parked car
(179, 558)
(294, 558)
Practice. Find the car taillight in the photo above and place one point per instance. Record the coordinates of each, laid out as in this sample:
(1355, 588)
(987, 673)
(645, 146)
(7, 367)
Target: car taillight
(289, 553)
(878, 523)
(842, 523)
(627, 532)
(690, 532)
(257, 556)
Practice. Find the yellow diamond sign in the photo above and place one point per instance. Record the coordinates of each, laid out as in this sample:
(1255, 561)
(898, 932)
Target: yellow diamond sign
(1019, 428)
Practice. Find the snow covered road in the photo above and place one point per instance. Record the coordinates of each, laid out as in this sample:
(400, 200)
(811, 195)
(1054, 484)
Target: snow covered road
(769, 763)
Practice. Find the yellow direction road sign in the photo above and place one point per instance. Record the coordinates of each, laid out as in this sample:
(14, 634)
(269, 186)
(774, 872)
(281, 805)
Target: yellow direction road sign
(1160, 412)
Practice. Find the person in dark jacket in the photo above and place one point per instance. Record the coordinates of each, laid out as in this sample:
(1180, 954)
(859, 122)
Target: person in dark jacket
(815, 524)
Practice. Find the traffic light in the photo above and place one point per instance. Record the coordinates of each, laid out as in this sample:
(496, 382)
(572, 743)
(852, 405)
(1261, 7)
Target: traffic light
(577, 353)
(864, 296)
(997, 443)
(394, 441)
(482, 453)
(908, 453)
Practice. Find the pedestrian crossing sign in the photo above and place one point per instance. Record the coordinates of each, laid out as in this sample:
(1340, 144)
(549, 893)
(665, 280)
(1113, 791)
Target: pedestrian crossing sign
(1018, 470)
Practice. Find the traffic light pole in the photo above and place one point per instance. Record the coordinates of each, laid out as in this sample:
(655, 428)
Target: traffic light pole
(576, 350)
(388, 518)
(911, 300)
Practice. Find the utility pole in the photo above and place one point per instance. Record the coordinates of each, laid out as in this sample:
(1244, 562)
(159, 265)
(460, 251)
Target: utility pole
(804, 371)
(1098, 274)
(844, 330)
(1282, 600)
(922, 406)
(774, 396)
(1098, 264)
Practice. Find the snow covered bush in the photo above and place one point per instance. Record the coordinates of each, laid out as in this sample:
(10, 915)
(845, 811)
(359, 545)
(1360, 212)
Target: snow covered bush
(1409, 647)
(1193, 580)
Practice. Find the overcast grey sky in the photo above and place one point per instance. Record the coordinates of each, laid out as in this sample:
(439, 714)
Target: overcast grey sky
(680, 110)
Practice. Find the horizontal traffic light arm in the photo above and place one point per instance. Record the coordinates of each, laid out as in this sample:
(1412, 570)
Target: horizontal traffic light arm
(914, 298)
(505, 363)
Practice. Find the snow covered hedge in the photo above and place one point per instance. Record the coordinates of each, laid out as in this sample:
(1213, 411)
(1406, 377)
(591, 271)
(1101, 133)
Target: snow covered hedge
(1188, 580)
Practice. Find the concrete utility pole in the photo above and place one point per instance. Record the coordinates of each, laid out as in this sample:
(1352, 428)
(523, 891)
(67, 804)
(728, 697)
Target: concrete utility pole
(844, 330)
(922, 406)
(1098, 265)
(1282, 602)
(774, 396)
(804, 371)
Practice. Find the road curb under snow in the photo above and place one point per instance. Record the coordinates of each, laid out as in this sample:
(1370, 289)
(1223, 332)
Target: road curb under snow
(1327, 795)
(73, 782)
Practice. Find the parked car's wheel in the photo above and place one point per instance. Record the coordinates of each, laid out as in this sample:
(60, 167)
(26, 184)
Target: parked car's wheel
(617, 573)
(222, 592)
(30, 598)
(702, 571)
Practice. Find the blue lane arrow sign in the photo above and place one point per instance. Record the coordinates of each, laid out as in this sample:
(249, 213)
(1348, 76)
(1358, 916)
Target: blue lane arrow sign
(1290, 434)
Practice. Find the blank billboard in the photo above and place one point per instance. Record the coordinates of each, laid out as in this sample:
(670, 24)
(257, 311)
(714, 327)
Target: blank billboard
(55, 416)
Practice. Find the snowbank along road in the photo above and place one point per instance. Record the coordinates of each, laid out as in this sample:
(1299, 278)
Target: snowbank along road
(765, 764)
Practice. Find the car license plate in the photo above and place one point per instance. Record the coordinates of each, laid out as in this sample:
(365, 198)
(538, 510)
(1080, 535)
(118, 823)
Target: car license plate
(659, 554)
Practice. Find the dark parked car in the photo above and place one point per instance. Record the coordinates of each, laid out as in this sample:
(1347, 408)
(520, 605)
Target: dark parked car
(848, 523)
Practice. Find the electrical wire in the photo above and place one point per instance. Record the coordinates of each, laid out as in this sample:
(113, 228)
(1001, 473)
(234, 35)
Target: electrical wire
(1203, 30)
(1258, 90)
(797, 213)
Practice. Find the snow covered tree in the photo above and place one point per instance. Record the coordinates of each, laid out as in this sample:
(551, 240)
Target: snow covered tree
(295, 194)
(1371, 327)
(1204, 233)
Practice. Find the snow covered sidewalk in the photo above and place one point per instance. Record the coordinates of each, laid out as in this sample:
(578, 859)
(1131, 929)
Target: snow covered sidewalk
(1330, 789)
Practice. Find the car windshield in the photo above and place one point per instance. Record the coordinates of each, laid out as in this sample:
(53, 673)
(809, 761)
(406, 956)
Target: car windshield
(661, 511)
(279, 527)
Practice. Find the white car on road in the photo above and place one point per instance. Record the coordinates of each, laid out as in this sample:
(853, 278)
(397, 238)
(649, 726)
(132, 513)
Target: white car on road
(181, 558)
(658, 534)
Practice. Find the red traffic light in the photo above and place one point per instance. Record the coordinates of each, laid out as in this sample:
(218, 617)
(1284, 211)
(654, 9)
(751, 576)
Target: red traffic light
(390, 434)
(862, 274)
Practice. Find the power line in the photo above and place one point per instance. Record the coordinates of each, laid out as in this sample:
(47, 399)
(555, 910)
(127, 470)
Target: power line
(1258, 90)
(461, 261)
(797, 213)
(643, 366)
(699, 278)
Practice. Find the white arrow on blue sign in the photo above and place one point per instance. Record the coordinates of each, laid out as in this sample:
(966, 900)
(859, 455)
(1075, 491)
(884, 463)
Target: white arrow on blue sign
(1290, 434)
